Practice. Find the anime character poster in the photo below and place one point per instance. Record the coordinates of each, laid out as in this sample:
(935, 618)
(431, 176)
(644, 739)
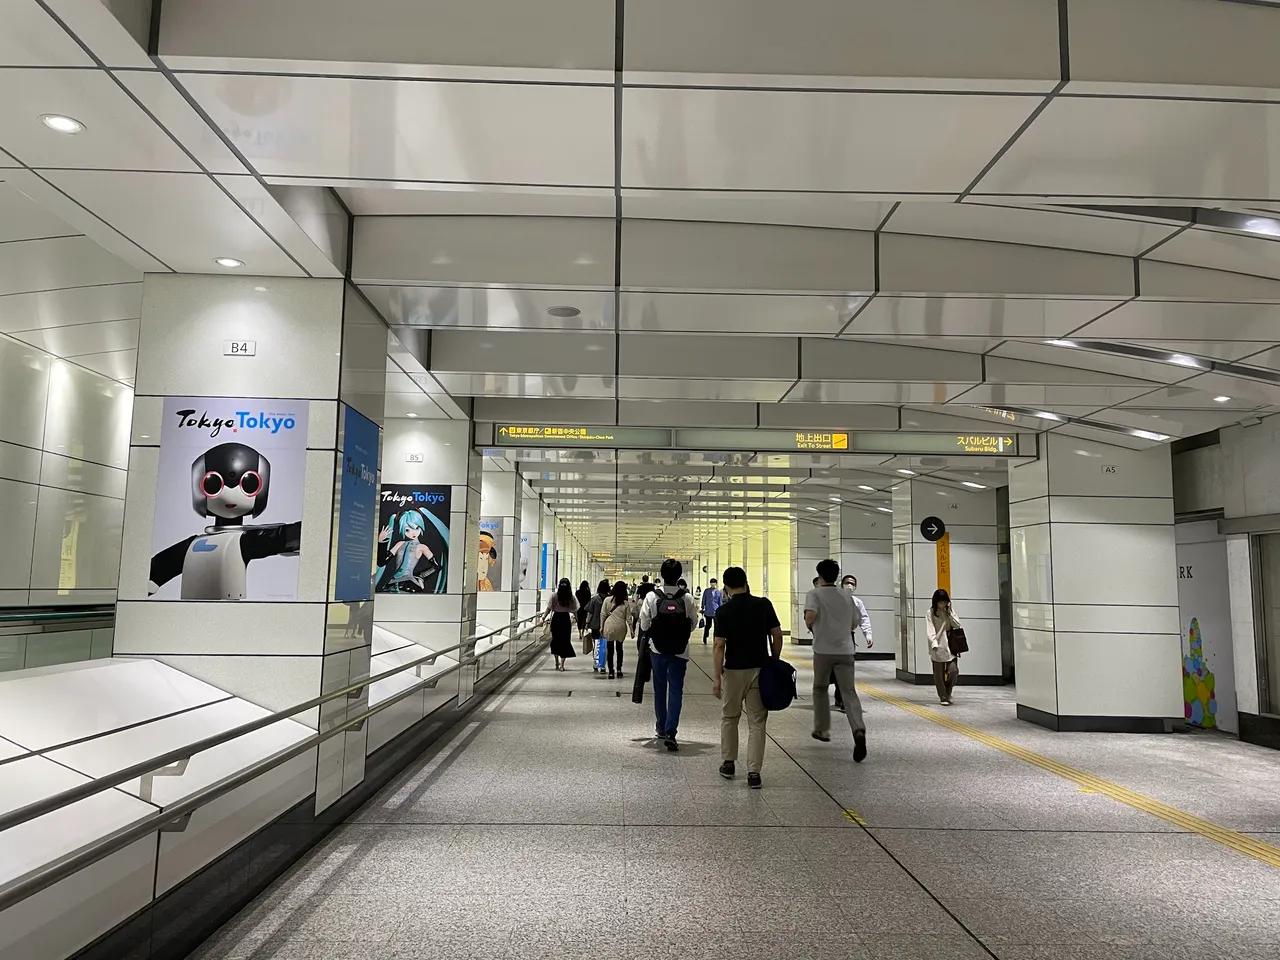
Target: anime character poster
(229, 491)
(490, 546)
(528, 575)
(413, 539)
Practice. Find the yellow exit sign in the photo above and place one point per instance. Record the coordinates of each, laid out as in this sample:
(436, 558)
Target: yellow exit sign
(822, 441)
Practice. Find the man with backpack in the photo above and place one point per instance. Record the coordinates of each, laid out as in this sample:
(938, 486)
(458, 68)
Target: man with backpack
(748, 632)
(667, 619)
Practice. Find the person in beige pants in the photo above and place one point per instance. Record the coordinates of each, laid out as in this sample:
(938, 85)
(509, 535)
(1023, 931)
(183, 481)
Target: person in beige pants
(747, 633)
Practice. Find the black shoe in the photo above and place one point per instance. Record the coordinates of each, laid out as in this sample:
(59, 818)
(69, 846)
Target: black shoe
(670, 741)
(726, 770)
(612, 677)
(621, 674)
(824, 737)
(859, 747)
(753, 781)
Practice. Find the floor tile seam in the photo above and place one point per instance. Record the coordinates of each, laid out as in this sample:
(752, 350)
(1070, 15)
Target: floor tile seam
(1236, 840)
(865, 832)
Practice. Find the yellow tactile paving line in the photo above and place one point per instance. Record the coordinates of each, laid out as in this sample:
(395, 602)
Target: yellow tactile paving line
(1240, 842)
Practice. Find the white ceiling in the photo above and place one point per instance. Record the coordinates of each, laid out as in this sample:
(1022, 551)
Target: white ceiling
(815, 214)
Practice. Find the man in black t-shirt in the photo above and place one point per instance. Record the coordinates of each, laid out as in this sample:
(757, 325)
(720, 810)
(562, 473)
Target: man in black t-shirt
(747, 634)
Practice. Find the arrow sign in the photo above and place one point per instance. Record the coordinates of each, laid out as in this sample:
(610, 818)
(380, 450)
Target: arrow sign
(932, 529)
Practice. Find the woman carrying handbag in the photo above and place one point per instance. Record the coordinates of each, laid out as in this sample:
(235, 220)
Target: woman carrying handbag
(946, 642)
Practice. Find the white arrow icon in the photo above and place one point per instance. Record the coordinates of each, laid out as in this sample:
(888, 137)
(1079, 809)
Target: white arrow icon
(933, 528)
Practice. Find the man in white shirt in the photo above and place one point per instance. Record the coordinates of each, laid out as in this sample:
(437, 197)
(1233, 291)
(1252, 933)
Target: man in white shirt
(829, 614)
(863, 619)
(667, 619)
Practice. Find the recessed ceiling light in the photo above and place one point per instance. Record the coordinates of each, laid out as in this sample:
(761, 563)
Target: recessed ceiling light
(884, 509)
(836, 500)
(259, 289)
(564, 313)
(863, 486)
(1061, 343)
(410, 414)
(1150, 435)
(906, 473)
(1221, 399)
(60, 124)
(974, 486)
(1045, 415)
(814, 509)
(1262, 225)
(228, 262)
(1182, 360)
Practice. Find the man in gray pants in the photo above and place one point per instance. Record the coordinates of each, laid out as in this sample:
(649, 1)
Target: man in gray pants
(830, 615)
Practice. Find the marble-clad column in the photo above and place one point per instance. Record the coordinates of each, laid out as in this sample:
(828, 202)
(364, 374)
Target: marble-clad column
(1097, 634)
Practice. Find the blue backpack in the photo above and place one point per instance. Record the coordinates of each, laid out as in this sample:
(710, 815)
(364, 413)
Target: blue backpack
(777, 684)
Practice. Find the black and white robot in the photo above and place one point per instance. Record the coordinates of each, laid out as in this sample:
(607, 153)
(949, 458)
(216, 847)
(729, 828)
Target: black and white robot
(228, 483)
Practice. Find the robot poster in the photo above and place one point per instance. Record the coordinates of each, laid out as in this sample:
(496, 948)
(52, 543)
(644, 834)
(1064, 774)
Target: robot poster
(229, 491)
(413, 539)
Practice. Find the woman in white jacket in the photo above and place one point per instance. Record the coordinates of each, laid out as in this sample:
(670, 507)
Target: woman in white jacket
(937, 622)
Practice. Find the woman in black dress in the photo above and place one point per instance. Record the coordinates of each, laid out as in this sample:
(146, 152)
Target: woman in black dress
(561, 609)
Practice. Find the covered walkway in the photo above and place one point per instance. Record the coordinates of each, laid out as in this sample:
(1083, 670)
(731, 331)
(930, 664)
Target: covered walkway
(549, 825)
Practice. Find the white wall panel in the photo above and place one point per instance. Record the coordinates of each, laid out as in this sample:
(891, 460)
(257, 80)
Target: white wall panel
(1035, 673)
(890, 43)
(1102, 509)
(77, 541)
(925, 265)
(771, 140)
(88, 416)
(19, 463)
(24, 391)
(17, 532)
(1128, 675)
(187, 319)
(1115, 563)
(274, 682)
(678, 255)
(1136, 473)
(61, 919)
(146, 627)
(562, 251)
(413, 129)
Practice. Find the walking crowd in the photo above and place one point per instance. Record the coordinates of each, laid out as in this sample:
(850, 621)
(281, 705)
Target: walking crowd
(749, 675)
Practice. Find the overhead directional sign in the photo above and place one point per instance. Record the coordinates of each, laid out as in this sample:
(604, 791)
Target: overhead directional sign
(757, 440)
(572, 435)
(987, 444)
(932, 529)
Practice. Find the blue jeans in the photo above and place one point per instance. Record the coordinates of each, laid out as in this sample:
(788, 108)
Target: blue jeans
(668, 691)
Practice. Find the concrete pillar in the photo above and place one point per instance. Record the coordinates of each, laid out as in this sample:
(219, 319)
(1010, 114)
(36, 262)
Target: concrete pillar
(974, 573)
(1097, 640)
(296, 369)
(865, 550)
(810, 542)
(501, 510)
(530, 550)
(432, 459)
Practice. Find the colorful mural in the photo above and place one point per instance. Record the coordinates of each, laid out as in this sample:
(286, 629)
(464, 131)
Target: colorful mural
(1199, 697)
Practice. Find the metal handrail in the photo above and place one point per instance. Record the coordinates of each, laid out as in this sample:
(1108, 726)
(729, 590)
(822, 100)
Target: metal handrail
(90, 788)
(39, 614)
(44, 877)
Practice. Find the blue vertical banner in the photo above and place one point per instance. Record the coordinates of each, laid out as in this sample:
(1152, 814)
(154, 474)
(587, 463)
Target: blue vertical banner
(544, 578)
(357, 508)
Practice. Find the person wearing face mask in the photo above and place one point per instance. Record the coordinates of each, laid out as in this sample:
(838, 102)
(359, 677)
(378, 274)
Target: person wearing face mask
(946, 668)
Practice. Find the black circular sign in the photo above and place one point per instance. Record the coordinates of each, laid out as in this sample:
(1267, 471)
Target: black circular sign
(932, 529)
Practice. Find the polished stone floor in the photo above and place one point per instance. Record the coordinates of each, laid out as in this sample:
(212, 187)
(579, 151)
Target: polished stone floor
(548, 825)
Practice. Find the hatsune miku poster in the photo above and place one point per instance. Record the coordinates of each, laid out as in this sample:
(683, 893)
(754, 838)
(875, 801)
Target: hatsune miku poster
(413, 539)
